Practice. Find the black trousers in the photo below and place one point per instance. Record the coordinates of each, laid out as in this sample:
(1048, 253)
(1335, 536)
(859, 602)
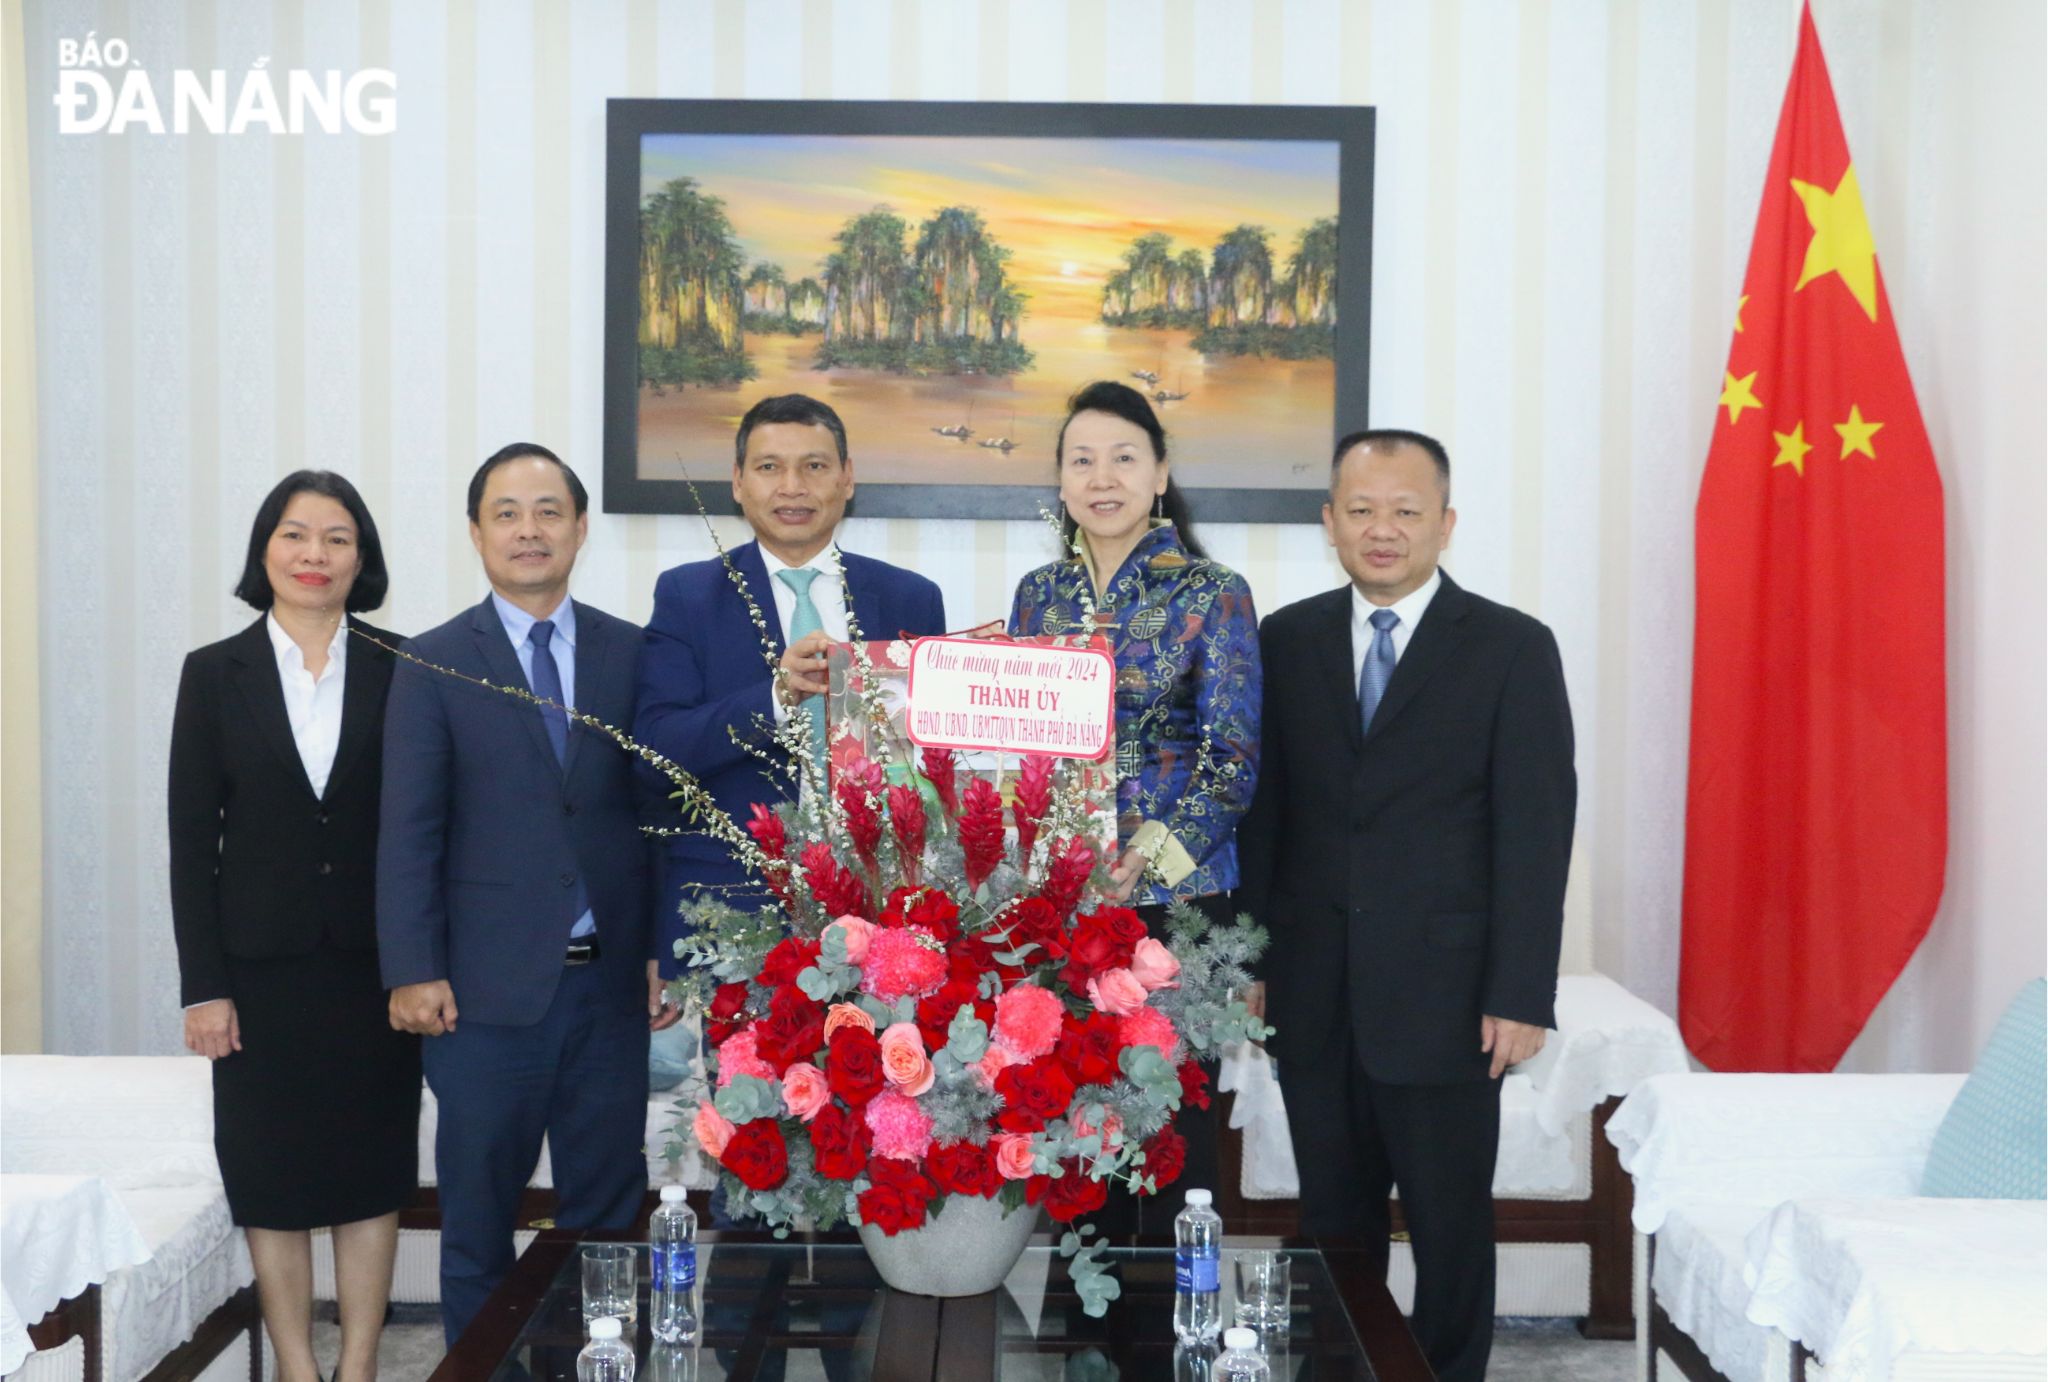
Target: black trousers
(1356, 1138)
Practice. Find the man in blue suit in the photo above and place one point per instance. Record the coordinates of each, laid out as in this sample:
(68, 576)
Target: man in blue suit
(514, 886)
(703, 672)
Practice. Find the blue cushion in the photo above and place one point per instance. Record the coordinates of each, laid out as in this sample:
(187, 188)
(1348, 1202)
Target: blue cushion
(1993, 1142)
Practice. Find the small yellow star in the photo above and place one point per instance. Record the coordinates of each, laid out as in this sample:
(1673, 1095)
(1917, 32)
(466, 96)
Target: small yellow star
(1792, 448)
(1841, 242)
(1737, 395)
(1740, 303)
(1856, 434)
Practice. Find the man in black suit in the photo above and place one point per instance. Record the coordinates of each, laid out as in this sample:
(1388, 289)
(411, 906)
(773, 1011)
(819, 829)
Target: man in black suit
(1407, 849)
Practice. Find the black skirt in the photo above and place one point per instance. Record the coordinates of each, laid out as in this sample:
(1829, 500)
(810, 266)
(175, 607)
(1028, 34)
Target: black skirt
(316, 1118)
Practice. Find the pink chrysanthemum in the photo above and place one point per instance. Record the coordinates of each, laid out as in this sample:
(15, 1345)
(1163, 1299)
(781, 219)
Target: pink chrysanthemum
(736, 1056)
(1150, 1027)
(903, 962)
(901, 1129)
(1028, 1020)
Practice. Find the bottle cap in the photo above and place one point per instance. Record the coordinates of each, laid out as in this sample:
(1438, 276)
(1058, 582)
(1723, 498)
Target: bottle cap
(1199, 1197)
(1240, 1338)
(673, 1194)
(604, 1327)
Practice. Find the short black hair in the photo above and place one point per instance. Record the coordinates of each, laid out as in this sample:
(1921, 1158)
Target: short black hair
(373, 582)
(1121, 400)
(1396, 436)
(519, 450)
(799, 408)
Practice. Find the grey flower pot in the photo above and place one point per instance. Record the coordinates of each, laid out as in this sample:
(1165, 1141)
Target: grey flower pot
(967, 1249)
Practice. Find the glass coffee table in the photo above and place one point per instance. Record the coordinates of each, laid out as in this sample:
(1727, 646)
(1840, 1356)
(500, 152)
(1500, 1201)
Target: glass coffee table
(799, 1309)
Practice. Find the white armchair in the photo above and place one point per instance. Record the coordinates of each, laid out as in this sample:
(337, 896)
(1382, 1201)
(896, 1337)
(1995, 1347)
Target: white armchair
(1787, 1239)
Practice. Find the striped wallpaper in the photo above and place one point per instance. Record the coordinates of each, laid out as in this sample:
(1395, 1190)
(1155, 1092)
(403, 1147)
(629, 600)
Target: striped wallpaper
(1565, 193)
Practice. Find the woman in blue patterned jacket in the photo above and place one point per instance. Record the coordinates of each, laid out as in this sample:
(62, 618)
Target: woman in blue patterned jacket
(1186, 640)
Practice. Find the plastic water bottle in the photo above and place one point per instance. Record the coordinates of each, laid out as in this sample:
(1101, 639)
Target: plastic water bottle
(1240, 1360)
(672, 1254)
(607, 1357)
(1197, 1270)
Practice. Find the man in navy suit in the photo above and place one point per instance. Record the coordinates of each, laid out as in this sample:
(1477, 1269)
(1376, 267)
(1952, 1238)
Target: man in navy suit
(703, 673)
(514, 886)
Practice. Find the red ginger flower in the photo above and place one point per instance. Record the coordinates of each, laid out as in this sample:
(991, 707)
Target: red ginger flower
(937, 768)
(981, 831)
(835, 887)
(1032, 799)
(769, 833)
(1066, 875)
(859, 790)
(906, 818)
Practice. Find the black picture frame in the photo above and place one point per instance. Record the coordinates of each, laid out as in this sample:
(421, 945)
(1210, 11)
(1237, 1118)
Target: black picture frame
(629, 121)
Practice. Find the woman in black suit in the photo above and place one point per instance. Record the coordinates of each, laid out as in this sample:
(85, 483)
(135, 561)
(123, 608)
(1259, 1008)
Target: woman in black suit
(276, 768)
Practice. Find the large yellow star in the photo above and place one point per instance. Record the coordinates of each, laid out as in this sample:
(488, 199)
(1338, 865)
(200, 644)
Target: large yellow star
(1841, 241)
(1736, 395)
(1856, 434)
(1792, 448)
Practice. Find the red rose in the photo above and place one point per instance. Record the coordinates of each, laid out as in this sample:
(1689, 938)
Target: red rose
(787, 960)
(935, 1014)
(728, 1005)
(1089, 1049)
(1101, 940)
(1166, 1154)
(757, 1155)
(1194, 1085)
(1068, 1197)
(853, 1065)
(839, 1143)
(926, 907)
(897, 1197)
(1034, 1094)
(961, 1168)
(793, 1030)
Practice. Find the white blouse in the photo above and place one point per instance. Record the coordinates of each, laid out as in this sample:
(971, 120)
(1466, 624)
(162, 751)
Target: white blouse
(314, 707)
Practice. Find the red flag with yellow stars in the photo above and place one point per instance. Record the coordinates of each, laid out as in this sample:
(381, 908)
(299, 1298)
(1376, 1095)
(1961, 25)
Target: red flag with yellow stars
(1817, 808)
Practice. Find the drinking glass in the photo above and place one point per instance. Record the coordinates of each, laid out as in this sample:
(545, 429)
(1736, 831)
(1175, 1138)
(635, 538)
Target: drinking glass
(611, 1281)
(1263, 1282)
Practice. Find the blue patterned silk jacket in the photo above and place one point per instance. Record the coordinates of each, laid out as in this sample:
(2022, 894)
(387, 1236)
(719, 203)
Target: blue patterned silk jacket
(1186, 640)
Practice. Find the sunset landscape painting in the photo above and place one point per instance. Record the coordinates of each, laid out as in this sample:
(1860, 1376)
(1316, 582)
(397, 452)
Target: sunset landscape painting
(948, 293)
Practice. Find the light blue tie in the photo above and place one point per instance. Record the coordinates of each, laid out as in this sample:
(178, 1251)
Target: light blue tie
(1378, 668)
(803, 622)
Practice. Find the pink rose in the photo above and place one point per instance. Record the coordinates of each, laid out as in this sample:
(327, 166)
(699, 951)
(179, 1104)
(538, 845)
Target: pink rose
(1116, 991)
(713, 1130)
(1013, 1154)
(1153, 965)
(1112, 1129)
(846, 1015)
(856, 933)
(805, 1089)
(994, 1061)
(904, 1063)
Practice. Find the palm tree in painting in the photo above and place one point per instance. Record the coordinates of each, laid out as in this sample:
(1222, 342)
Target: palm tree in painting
(1312, 274)
(691, 297)
(1240, 277)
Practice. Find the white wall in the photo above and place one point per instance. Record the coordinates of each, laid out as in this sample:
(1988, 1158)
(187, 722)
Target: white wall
(1565, 197)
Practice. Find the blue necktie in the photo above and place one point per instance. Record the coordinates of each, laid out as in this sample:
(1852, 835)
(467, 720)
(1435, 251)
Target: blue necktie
(547, 684)
(804, 622)
(1378, 668)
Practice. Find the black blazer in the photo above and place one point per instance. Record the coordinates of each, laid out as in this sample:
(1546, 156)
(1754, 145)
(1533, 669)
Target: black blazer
(1412, 879)
(260, 867)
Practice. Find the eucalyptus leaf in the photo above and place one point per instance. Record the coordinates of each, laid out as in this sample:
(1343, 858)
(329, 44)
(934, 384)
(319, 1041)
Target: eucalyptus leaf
(815, 983)
(966, 1036)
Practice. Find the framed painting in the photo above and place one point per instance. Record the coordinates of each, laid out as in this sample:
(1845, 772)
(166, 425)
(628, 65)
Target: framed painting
(946, 274)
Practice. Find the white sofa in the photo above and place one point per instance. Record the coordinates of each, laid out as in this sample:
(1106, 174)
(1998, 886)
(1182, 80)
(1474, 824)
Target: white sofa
(145, 1126)
(1786, 1238)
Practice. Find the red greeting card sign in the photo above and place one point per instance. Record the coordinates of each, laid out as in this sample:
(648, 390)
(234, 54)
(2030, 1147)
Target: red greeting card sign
(1003, 697)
